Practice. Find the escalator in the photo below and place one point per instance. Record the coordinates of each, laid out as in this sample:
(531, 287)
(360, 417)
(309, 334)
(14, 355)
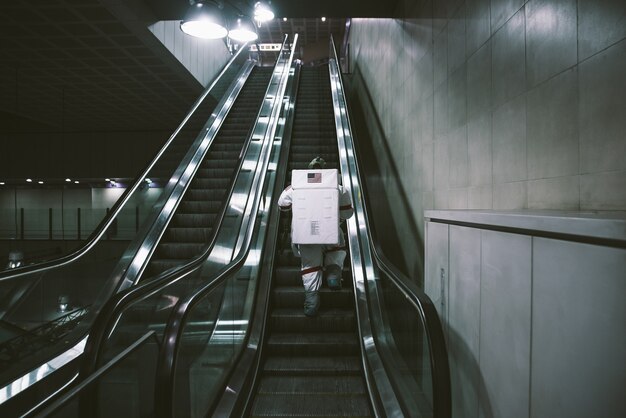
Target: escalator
(312, 365)
(241, 345)
(88, 276)
(190, 229)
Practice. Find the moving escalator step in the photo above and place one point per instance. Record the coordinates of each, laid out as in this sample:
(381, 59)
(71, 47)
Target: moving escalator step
(312, 366)
(311, 405)
(200, 206)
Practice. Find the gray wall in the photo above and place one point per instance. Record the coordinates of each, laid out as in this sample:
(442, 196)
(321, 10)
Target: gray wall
(500, 104)
(534, 326)
(204, 58)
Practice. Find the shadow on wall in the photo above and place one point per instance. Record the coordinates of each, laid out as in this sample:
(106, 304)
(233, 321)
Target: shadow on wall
(391, 214)
(469, 393)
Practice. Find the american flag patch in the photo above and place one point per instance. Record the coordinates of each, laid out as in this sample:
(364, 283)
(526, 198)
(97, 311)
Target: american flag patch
(314, 177)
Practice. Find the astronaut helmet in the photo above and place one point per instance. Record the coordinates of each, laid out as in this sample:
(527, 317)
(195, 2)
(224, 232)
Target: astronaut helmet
(317, 163)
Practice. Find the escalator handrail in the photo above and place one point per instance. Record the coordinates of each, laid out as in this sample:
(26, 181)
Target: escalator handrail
(145, 247)
(61, 399)
(420, 300)
(116, 306)
(245, 372)
(100, 230)
(173, 331)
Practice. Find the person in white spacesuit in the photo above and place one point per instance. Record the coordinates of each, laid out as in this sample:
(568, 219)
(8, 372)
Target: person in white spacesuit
(320, 258)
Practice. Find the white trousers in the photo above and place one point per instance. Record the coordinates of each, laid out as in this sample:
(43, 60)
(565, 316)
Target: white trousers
(314, 257)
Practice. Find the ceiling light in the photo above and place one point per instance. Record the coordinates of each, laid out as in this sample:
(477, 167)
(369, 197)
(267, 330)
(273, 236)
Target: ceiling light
(262, 12)
(68, 180)
(323, 19)
(243, 31)
(1, 183)
(29, 180)
(107, 179)
(204, 20)
(40, 182)
(76, 181)
(284, 19)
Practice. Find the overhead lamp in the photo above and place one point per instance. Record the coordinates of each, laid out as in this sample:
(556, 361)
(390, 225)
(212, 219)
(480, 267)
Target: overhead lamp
(262, 12)
(40, 182)
(204, 20)
(2, 183)
(68, 180)
(323, 19)
(29, 180)
(243, 31)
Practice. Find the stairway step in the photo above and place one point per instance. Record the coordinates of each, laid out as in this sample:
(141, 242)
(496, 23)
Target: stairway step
(157, 266)
(293, 297)
(179, 250)
(313, 344)
(315, 366)
(215, 195)
(214, 172)
(327, 320)
(199, 206)
(291, 276)
(191, 220)
(290, 405)
(318, 385)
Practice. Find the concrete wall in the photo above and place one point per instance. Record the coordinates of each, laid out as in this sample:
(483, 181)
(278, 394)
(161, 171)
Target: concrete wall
(534, 326)
(500, 104)
(204, 58)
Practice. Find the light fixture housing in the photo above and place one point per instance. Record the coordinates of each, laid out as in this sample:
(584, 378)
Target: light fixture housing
(243, 30)
(263, 12)
(204, 20)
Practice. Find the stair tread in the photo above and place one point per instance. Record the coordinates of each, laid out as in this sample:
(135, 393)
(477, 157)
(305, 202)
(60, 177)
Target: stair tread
(314, 338)
(311, 364)
(307, 405)
(312, 384)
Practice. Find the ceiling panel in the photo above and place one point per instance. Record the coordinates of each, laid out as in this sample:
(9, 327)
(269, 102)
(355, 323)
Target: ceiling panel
(73, 65)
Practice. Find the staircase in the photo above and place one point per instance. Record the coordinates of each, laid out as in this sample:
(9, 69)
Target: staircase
(190, 229)
(312, 366)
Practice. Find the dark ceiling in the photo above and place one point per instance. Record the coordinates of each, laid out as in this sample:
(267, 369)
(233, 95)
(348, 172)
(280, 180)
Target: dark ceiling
(92, 65)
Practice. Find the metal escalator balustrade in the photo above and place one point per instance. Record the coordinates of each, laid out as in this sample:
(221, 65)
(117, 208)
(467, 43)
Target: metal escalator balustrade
(187, 362)
(150, 305)
(404, 350)
(84, 277)
(188, 232)
(122, 324)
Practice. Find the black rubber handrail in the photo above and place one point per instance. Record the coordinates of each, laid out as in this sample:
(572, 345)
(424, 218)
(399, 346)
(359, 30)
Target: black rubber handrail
(420, 300)
(60, 400)
(100, 230)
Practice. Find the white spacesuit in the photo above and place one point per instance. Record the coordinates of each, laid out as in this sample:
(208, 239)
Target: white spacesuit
(320, 258)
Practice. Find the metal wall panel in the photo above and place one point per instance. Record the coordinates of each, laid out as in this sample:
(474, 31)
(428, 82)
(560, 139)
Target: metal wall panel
(579, 330)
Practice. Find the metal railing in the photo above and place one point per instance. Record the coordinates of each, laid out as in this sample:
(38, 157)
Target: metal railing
(390, 369)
